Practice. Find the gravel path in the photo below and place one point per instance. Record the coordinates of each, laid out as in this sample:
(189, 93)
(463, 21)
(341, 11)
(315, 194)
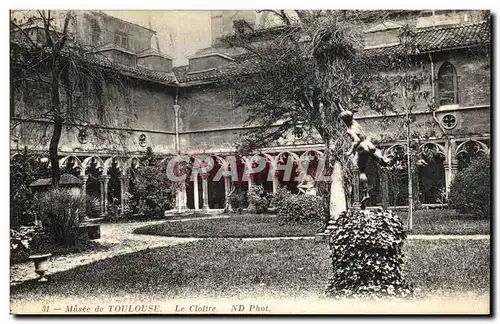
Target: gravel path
(116, 238)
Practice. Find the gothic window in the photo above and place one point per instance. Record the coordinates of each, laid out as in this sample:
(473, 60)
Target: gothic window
(448, 85)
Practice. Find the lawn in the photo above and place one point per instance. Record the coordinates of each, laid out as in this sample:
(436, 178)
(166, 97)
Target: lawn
(446, 221)
(433, 221)
(246, 225)
(229, 268)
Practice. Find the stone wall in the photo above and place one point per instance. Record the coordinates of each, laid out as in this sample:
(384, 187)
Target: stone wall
(130, 109)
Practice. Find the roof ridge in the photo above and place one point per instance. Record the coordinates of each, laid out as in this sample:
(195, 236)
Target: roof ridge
(431, 28)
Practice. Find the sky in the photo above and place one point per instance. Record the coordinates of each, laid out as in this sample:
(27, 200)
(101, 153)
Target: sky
(180, 32)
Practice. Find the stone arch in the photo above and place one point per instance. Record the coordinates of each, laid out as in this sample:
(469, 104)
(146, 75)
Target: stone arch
(131, 162)
(439, 149)
(221, 161)
(119, 163)
(319, 153)
(481, 146)
(13, 156)
(469, 149)
(449, 60)
(315, 165)
(78, 162)
(395, 150)
(97, 159)
(296, 158)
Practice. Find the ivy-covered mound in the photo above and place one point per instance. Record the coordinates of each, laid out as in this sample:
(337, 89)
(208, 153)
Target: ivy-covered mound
(367, 258)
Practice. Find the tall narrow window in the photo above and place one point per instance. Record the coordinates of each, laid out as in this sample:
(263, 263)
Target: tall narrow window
(121, 40)
(447, 83)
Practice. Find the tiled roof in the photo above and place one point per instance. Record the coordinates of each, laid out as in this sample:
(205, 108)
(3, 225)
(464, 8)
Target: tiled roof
(140, 72)
(441, 38)
(426, 40)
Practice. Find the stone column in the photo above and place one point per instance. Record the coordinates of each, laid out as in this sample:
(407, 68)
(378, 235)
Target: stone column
(84, 179)
(355, 189)
(250, 181)
(104, 179)
(384, 188)
(251, 207)
(204, 183)
(227, 187)
(180, 200)
(275, 181)
(123, 192)
(196, 193)
(450, 170)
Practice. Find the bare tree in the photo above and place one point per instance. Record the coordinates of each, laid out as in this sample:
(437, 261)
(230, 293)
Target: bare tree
(65, 76)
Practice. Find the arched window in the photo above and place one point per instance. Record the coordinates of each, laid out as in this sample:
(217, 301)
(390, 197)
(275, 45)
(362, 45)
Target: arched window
(448, 85)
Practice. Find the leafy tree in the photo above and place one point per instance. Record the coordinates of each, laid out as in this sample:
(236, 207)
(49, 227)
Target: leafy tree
(312, 66)
(151, 190)
(59, 71)
(24, 169)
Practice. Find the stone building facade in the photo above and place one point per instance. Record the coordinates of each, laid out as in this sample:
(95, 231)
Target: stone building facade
(182, 110)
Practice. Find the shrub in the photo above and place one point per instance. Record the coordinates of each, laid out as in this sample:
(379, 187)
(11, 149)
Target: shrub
(26, 240)
(61, 211)
(238, 200)
(24, 169)
(278, 196)
(367, 259)
(299, 209)
(259, 198)
(470, 190)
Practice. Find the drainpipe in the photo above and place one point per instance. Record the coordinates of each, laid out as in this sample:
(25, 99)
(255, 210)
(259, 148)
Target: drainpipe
(176, 110)
(180, 192)
(433, 89)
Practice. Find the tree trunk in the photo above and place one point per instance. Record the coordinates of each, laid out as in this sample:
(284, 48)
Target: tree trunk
(53, 148)
(56, 133)
(338, 202)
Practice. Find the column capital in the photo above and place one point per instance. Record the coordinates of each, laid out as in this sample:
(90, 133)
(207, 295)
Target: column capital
(123, 177)
(83, 177)
(104, 178)
(204, 176)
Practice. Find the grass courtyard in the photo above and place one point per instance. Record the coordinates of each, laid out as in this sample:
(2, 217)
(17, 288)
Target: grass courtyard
(434, 221)
(232, 268)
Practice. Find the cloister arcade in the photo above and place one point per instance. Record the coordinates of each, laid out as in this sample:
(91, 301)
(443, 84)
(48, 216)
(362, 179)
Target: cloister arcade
(209, 184)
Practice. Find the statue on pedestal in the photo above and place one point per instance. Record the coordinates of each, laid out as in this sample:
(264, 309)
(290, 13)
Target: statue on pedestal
(365, 150)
